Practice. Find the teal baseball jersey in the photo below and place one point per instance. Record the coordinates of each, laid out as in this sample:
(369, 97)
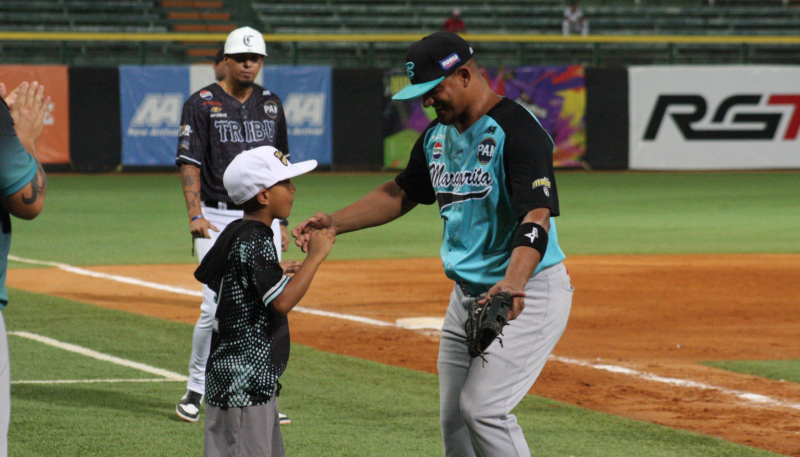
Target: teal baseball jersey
(485, 181)
(17, 168)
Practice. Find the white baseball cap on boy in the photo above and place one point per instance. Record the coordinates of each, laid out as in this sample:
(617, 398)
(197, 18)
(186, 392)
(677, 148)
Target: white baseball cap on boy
(245, 40)
(260, 168)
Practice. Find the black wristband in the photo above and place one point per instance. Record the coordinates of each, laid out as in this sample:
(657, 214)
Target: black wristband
(285, 222)
(532, 235)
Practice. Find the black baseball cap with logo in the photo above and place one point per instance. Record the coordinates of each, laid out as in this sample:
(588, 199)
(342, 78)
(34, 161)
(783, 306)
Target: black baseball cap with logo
(432, 59)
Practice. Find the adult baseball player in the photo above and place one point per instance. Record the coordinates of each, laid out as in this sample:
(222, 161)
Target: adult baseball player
(219, 122)
(488, 164)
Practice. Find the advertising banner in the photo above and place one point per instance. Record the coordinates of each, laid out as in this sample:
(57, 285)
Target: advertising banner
(306, 95)
(555, 95)
(151, 101)
(53, 145)
(714, 117)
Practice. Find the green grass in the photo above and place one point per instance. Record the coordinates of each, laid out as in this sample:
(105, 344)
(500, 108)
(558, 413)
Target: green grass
(141, 219)
(52, 363)
(108, 219)
(340, 406)
(678, 213)
(343, 406)
(779, 370)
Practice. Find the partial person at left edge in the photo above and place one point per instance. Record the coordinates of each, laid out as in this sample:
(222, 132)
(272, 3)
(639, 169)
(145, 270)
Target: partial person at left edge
(22, 188)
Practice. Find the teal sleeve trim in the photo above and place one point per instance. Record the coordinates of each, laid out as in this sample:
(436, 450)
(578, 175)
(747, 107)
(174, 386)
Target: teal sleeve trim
(275, 290)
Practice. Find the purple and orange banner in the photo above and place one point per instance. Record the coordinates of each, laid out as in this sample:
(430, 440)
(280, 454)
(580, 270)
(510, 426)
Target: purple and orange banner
(555, 95)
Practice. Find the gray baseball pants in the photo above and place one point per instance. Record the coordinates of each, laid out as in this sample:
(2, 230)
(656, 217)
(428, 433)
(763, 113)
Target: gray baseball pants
(477, 400)
(252, 431)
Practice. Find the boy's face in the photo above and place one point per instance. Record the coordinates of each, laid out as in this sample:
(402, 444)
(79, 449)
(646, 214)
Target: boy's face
(281, 199)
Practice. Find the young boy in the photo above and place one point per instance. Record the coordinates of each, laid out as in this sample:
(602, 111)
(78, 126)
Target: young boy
(250, 343)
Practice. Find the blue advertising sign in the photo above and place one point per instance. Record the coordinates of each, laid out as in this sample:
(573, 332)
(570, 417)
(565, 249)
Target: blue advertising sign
(306, 95)
(151, 100)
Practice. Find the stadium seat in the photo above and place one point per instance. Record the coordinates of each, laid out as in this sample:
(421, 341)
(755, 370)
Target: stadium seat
(419, 17)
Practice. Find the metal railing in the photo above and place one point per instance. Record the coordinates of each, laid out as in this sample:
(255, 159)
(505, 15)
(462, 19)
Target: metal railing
(596, 42)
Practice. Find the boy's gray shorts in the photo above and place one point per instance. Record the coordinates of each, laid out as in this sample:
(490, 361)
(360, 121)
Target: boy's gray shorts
(243, 432)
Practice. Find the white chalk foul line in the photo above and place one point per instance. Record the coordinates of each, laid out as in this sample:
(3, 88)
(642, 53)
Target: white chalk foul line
(363, 320)
(747, 396)
(184, 291)
(94, 274)
(755, 398)
(168, 375)
(95, 381)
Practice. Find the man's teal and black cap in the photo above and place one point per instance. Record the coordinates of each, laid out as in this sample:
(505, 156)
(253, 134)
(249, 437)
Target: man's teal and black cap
(432, 59)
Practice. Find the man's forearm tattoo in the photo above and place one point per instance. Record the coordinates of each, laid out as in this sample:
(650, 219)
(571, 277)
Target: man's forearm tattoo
(38, 186)
(192, 199)
(190, 181)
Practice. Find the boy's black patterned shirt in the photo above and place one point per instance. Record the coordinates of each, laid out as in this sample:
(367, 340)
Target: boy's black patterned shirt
(250, 343)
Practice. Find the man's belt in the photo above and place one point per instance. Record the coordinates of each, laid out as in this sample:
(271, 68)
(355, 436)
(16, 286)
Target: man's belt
(222, 205)
(471, 289)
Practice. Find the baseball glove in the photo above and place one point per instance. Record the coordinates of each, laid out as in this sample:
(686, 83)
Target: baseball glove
(485, 322)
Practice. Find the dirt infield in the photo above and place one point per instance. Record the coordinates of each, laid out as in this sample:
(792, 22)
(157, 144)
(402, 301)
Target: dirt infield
(653, 314)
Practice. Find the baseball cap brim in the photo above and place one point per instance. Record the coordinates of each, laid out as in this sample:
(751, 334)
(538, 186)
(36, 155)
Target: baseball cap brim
(416, 90)
(300, 168)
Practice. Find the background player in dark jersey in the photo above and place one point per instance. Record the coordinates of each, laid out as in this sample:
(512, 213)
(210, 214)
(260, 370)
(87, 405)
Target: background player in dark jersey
(219, 122)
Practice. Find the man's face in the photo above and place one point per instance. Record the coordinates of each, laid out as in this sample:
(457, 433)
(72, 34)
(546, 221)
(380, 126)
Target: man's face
(447, 98)
(243, 68)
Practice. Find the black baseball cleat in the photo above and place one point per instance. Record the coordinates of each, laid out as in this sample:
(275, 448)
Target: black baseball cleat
(188, 408)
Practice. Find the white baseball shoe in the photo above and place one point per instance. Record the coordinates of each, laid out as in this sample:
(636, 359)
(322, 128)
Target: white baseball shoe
(188, 408)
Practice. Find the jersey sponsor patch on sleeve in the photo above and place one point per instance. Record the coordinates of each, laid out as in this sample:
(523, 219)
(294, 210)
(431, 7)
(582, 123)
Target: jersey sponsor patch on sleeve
(186, 130)
(206, 95)
(544, 183)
